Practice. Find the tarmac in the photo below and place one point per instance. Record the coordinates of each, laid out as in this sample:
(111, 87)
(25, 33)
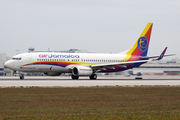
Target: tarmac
(62, 81)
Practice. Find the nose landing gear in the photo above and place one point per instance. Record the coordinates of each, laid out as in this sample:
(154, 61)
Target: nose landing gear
(21, 76)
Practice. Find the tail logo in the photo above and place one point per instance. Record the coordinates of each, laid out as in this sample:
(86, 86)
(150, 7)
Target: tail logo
(142, 44)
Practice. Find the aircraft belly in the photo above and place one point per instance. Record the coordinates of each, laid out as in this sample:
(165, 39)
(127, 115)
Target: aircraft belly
(44, 68)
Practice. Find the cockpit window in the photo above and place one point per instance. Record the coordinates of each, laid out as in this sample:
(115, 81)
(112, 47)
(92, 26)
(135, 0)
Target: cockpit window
(16, 58)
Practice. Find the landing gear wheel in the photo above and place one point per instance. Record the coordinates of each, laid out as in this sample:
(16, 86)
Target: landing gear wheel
(74, 77)
(93, 77)
(138, 78)
(21, 76)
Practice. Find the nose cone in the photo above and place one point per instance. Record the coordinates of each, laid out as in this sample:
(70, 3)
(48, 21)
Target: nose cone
(8, 64)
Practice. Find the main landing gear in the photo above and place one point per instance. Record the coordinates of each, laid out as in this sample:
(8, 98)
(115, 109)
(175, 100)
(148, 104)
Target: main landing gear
(21, 76)
(92, 77)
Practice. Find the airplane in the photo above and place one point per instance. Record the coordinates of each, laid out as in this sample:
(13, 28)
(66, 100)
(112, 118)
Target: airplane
(85, 64)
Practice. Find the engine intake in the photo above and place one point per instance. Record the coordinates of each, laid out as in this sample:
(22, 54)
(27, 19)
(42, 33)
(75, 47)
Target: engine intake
(82, 71)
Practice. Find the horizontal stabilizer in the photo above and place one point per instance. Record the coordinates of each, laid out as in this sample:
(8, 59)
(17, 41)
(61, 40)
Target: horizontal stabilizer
(158, 57)
(146, 58)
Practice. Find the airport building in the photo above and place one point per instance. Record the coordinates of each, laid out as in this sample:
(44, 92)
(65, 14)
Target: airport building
(163, 67)
(3, 59)
(30, 50)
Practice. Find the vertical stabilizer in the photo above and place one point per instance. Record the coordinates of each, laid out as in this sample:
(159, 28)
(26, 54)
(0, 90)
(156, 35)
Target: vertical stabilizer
(140, 48)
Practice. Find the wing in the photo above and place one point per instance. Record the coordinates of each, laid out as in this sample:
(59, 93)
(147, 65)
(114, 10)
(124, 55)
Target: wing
(112, 65)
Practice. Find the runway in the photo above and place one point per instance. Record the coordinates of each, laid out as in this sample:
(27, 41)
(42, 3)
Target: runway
(85, 82)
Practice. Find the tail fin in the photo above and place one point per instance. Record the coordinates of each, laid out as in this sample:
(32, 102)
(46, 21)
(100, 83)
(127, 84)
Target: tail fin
(140, 48)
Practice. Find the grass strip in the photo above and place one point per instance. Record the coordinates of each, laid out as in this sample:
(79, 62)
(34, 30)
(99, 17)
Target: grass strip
(140, 102)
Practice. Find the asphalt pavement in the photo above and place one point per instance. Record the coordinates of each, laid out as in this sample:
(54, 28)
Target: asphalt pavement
(61, 81)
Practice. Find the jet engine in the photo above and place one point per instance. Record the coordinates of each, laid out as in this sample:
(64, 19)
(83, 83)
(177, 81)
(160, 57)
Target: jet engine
(82, 71)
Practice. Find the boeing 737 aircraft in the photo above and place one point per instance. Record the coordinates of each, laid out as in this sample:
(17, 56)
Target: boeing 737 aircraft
(85, 64)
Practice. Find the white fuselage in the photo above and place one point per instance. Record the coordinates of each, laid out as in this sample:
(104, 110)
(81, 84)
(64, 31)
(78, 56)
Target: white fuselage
(59, 62)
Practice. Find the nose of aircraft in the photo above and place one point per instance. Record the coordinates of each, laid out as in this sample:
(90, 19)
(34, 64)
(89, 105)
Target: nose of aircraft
(7, 64)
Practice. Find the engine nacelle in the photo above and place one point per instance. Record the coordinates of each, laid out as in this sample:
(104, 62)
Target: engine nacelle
(52, 73)
(82, 71)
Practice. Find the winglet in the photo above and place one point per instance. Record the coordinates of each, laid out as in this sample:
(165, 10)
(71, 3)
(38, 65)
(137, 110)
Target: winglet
(162, 54)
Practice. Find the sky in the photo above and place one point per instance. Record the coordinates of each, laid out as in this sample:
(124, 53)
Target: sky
(104, 26)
